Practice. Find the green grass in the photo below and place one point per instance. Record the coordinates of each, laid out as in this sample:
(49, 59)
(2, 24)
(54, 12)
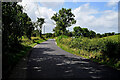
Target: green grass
(15, 56)
(102, 50)
(26, 46)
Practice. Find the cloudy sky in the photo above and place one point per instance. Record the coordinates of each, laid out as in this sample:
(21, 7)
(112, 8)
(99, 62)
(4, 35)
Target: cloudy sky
(100, 17)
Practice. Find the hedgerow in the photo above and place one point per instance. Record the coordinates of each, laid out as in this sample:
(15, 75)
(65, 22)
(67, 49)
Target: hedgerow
(104, 50)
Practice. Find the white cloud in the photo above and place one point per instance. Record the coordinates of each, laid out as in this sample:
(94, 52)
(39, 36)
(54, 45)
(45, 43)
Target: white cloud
(44, 12)
(85, 17)
(84, 14)
(53, 5)
(34, 10)
(29, 8)
(112, 3)
(46, 0)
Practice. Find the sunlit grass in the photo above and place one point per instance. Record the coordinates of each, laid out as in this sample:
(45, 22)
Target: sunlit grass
(92, 48)
(26, 46)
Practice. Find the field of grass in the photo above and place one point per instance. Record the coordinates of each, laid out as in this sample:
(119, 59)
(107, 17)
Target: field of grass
(102, 50)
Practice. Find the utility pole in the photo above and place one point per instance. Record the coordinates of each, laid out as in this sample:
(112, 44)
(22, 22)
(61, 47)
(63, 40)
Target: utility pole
(44, 29)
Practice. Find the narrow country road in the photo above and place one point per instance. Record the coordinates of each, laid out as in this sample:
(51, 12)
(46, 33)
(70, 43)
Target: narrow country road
(47, 60)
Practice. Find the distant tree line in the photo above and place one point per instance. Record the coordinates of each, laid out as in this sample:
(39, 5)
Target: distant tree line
(78, 31)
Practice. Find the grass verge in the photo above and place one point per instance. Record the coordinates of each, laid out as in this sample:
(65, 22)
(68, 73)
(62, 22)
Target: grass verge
(15, 54)
(96, 56)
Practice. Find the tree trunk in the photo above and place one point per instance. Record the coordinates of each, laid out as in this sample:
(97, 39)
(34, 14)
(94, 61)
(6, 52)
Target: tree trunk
(40, 33)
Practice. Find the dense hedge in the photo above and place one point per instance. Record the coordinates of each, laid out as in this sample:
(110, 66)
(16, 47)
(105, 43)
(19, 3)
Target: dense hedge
(105, 49)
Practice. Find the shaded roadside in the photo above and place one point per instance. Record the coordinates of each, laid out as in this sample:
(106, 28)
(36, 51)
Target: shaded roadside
(49, 61)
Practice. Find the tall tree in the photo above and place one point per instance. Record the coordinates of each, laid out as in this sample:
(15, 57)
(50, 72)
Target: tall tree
(40, 22)
(78, 31)
(11, 23)
(15, 24)
(63, 19)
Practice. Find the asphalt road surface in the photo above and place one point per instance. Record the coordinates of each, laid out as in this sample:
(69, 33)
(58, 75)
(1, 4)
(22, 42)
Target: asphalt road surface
(47, 60)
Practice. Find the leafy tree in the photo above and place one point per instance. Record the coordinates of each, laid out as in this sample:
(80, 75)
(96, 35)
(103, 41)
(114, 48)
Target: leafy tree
(35, 33)
(108, 34)
(99, 35)
(15, 24)
(63, 19)
(27, 25)
(92, 34)
(11, 22)
(78, 31)
(40, 22)
(49, 35)
(113, 33)
(70, 34)
(85, 32)
(29, 30)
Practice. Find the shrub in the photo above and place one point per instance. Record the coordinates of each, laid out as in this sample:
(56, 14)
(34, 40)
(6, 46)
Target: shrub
(111, 49)
(48, 35)
(109, 46)
(103, 50)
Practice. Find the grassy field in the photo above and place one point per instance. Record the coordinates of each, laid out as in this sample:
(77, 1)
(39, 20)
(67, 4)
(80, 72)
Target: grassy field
(102, 50)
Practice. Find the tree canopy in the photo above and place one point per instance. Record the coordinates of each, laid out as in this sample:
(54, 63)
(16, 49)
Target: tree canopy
(78, 31)
(15, 24)
(63, 19)
(40, 22)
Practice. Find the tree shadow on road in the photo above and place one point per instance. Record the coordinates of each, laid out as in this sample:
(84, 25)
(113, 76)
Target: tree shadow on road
(45, 63)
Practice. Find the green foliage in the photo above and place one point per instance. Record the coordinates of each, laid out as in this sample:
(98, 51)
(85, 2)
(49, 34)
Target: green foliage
(92, 34)
(40, 22)
(85, 32)
(48, 35)
(62, 36)
(15, 24)
(13, 57)
(107, 45)
(27, 42)
(78, 31)
(70, 34)
(103, 50)
(63, 19)
(112, 48)
(106, 34)
(35, 33)
(99, 35)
